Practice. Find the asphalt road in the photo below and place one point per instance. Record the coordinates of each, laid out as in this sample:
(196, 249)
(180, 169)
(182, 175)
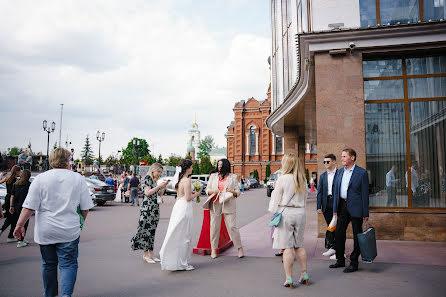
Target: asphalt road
(108, 267)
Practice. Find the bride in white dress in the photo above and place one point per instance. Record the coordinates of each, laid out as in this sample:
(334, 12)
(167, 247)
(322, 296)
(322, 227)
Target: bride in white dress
(177, 246)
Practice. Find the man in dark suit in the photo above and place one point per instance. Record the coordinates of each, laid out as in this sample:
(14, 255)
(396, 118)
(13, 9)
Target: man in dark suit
(325, 200)
(351, 204)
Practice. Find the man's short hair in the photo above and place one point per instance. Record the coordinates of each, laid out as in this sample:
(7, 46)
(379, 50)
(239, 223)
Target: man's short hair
(350, 151)
(331, 156)
(60, 158)
(110, 175)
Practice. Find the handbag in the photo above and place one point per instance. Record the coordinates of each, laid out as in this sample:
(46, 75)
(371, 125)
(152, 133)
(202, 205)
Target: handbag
(367, 245)
(277, 217)
(332, 226)
(224, 196)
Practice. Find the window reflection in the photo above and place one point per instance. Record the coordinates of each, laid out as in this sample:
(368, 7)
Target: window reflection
(386, 154)
(434, 10)
(278, 144)
(252, 140)
(367, 10)
(383, 89)
(400, 11)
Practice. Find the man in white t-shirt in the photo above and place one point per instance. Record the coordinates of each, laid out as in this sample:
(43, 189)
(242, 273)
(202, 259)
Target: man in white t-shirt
(55, 197)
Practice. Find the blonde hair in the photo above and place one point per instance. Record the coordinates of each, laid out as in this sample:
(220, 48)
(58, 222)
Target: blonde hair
(153, 168)
(292, 164)
(60, 158)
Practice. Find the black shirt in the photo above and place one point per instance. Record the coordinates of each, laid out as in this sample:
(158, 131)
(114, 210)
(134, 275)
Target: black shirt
(134, 182)
(19, 192)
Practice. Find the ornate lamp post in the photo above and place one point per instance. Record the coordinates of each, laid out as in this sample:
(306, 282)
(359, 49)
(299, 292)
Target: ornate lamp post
(136, 144)
(48, 130)
(100, 137)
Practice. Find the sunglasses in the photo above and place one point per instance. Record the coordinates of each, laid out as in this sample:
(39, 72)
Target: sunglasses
(326, 162)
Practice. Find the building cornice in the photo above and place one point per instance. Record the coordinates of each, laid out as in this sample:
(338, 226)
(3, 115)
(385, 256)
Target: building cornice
(363, 38)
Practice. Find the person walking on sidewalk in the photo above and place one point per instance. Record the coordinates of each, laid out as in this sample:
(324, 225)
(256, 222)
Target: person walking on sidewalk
(150, 213)
(9, 180)
(222, 181)
(289, 197)
(325, 200)
(351, 204)
(134, 184)
(18, 195)
(55, 196)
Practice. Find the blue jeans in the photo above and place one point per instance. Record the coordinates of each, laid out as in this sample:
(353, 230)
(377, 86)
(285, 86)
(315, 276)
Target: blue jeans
(242, 188)
(65, 254)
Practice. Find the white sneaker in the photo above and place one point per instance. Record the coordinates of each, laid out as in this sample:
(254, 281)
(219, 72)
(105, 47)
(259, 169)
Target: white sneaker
(330, 252)
(189, 268)
(156, 259)
(9, 240)
(22, 244)
(334, 257)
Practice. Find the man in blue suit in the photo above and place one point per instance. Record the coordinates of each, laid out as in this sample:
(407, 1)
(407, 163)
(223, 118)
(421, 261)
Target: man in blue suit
(325, 200)
(351, 204)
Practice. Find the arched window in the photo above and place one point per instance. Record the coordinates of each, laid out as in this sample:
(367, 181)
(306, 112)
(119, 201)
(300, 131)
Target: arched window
(252, 140)
(279, 145)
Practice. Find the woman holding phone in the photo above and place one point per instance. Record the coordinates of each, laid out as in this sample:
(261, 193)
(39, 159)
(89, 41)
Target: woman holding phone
(150, 213)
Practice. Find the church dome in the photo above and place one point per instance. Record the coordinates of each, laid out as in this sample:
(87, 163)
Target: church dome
(190, 148)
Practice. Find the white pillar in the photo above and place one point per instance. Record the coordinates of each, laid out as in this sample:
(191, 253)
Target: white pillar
(274, 143)
(257, 144)
(283, 146)
(247, 144)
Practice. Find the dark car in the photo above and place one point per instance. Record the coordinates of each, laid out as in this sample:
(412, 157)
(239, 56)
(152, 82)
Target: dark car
(204, 184)
(254, 183)
(100, 192)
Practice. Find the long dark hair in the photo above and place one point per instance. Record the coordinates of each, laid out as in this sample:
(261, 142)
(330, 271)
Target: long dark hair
(13, 175)
(184, 164)
(24, 177)
(225, 168)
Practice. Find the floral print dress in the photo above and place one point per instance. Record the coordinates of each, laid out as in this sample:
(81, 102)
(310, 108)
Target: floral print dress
(148, 219)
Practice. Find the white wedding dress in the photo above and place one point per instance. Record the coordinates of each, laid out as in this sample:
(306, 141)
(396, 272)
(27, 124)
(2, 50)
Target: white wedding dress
(177, 246)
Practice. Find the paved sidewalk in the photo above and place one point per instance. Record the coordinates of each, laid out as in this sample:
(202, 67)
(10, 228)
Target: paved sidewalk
(256, 239)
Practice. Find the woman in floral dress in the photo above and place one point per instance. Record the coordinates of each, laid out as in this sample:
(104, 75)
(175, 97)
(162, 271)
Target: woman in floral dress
(150, 213)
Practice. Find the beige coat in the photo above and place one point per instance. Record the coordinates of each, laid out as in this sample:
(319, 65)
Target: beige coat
(231, 184)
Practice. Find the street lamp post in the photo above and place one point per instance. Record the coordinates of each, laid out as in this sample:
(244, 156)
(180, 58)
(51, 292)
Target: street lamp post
(136, 144)
(100, 137)
(48, 129)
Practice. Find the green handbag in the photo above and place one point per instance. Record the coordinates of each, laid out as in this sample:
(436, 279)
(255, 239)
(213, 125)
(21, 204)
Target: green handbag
(277, 217)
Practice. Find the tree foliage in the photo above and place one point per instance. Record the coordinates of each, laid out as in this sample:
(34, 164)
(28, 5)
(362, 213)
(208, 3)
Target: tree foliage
(87, 153)
(160, 160)
(128, 153)
(111, 161)
(173, 160)
(205, 146)
(205, 165)
(255, 174)
(267, 172)
(196, 168)
(14, 151)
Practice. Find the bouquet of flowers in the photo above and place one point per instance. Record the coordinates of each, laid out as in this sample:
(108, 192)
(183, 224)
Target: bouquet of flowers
(197, 188)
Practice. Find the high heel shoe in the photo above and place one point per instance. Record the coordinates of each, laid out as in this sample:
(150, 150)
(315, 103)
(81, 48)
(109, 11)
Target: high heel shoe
(304, 279)
(289, 283)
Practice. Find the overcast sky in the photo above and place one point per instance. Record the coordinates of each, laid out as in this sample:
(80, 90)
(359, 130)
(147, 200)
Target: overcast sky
(129, 69)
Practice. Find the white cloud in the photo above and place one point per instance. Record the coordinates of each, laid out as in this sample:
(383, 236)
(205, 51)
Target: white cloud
(129, 69)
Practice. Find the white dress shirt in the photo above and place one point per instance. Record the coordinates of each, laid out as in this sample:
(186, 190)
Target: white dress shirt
(390, 179)
(346, 180)
(330, 177)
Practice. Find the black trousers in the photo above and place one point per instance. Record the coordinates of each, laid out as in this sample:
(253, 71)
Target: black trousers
(344, 218)
(328, 215)
(391, 196)
(8, 222)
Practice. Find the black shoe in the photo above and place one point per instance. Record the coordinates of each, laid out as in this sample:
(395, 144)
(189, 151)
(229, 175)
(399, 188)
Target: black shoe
(337, 265)
(351, 268)
(279, 255)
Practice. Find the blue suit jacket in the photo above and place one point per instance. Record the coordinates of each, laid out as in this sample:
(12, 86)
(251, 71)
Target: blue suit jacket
(322, 190)
(357, 193)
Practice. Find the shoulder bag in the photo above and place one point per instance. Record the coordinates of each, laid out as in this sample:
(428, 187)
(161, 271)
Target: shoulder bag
(277, 217)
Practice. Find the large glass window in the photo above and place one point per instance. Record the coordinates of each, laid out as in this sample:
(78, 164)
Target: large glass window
(406, 131)
(386, 153)
(278, 144)
(392, 12)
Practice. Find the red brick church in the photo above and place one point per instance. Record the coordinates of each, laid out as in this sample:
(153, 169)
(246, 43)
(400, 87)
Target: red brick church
(251, 145)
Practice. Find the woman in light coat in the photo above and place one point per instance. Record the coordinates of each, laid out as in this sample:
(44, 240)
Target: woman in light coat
(289, 196)
(221, 182)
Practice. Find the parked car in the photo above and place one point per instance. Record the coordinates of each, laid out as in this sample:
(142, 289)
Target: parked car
(170, 189)
(202, 177)
(270, 184)
(254, 183)
(100, 192)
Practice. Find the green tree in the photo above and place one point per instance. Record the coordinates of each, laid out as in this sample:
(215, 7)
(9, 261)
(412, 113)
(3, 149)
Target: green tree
(148, 158)
(128, 153)
(205, 146)
(196, 168)
(160, 160)
(256, 174)
(189, 157)
(55, 145)
(173, 160)
(267, 172)
(111, 161)
(205, 165)
(14, 151)
(87, 153)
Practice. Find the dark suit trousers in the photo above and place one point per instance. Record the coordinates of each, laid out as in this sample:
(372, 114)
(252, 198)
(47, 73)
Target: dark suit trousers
(344, 218)
(328, 215)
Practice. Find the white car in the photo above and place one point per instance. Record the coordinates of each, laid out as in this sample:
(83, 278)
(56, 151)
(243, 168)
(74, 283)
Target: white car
(2, 194)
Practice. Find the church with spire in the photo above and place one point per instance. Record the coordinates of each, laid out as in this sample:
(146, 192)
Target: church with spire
(193, 140)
